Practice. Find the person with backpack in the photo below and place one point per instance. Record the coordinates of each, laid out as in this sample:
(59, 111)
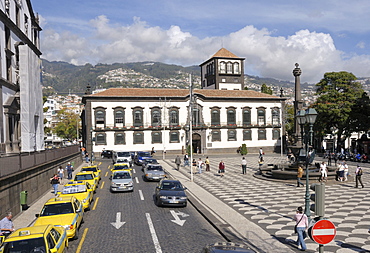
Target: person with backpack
(359, 173)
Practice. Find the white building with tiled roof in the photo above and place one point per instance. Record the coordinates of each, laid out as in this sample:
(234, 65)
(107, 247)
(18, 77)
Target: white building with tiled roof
(223, 119)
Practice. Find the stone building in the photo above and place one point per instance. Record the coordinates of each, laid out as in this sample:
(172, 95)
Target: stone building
(224, 116)
(21, 113)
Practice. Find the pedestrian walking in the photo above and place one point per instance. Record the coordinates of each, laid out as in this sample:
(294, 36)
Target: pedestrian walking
(359, 173)
(221, 168)
(60, 173)
(324, 172)
(244, 166)
(186, 160)
(178, 162)
(301, 224)
(329, 158)
(87, 159)
(299, 176)
(207, 164)
(194, 166)
(152, 152)
(55, 183)
(261, 153)
(6, 224)
(200, 165)
(341, 172)
(345, 174)
(69, 169)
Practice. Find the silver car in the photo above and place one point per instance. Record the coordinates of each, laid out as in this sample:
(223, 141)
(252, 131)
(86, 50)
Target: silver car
(121, 181)
(154, 172)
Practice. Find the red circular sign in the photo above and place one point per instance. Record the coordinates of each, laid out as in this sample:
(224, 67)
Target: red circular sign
(322, 232)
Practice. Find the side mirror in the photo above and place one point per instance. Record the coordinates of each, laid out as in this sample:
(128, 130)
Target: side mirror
(37, 215)
(53, 250)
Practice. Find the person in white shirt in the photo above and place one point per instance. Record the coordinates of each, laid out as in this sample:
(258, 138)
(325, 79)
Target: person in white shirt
(302, 224)
(244, 166)
(345, 175)
(324, 172)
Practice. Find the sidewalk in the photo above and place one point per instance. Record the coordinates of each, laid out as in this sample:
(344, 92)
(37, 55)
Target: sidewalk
(227, 216)
(27, 217)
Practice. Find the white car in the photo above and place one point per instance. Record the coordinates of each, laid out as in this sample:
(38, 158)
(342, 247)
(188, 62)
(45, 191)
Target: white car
(121, 181)
(122, 157)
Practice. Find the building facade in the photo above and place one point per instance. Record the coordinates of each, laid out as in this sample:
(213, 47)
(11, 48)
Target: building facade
(220, 117)
(142, 119)
(21, 113)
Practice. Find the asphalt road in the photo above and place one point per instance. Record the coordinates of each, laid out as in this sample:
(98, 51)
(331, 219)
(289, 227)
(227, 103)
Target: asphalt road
(138, 224)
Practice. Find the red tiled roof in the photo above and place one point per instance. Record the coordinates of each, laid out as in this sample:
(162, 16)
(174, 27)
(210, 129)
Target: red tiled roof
(224, 53)
(148, 92)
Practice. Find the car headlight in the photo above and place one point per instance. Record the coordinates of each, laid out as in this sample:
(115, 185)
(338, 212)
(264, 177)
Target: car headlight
(114, 184)
(131, 183)
(162, 197)
(183, 197)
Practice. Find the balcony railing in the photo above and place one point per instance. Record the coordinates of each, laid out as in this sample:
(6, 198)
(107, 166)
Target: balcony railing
(183, 126)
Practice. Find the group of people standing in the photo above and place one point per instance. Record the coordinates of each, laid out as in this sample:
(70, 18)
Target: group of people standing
(57, 178)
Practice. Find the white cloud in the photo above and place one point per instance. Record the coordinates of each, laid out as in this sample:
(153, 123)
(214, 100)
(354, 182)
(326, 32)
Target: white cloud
(266, 55)
(361, 45)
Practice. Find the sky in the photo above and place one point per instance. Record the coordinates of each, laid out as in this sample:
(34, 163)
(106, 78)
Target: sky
(272, 35)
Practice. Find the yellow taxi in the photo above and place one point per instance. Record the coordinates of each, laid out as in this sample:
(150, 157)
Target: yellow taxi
(81, 190)
(121, 166)
(45, 238)
(63, 211)
(87, 176)
(93, 168)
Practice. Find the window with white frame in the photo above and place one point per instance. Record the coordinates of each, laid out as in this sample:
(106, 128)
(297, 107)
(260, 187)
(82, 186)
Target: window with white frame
(216, 135)
(119, 139)
(156, 137)
(138, 137)
(100, 117)
(174, 117)
(261, 116)
(247, 135)
(174, 137)
(222, 67)
(236, 68)
(247, 116)
(231, 116)
(231, 135)
(275, 116)
(156, 117)
(215, 116)
(138, 117)
(119, 117)
(100, 139)
(261, 134)
(275, 134)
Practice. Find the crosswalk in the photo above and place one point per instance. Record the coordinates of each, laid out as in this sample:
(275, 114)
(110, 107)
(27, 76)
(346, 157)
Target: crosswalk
(272, 204)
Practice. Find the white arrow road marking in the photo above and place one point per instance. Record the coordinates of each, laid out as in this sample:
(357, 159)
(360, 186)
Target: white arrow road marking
(118, 222)
(154, 235)
(137, 180)
(177, 219)
(141, 194)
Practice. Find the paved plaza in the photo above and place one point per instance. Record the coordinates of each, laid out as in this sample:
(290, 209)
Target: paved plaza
(271, 204)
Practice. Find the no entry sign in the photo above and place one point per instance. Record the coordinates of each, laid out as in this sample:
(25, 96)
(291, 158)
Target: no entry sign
(322, 232)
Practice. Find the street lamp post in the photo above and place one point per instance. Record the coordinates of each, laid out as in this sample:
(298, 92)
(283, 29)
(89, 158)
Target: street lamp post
(307, 117)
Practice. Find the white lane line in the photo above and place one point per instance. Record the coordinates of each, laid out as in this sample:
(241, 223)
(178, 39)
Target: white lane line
(154, 235)
(134, 170)
(137, 180)
(141, 195)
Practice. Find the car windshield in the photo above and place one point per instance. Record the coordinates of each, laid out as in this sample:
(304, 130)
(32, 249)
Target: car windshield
(93, 169)
(143, 154)
(121, 176)
(159, 168)
(30, 245)
(55, 209)
(123, 154)
(84, 177)
(70, 189)
(121, 167)
(172, 186)
(151, 161)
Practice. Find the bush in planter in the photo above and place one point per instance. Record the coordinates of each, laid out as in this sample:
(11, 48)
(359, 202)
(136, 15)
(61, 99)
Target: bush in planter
(244, 150)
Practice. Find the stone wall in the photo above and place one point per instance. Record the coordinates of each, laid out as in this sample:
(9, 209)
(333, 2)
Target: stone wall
(35, 180)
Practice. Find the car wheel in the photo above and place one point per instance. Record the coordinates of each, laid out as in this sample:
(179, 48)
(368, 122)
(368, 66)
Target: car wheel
(76, 234)
(158, 202)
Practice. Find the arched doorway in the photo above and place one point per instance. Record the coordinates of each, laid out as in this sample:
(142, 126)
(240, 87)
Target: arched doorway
(197, 143)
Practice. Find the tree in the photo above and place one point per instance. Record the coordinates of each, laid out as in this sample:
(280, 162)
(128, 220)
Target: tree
(67, 125)
(359, 119)
(338, 94)
(265, 89)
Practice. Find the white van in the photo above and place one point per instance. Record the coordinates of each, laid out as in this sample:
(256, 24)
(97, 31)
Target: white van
(122, 157)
